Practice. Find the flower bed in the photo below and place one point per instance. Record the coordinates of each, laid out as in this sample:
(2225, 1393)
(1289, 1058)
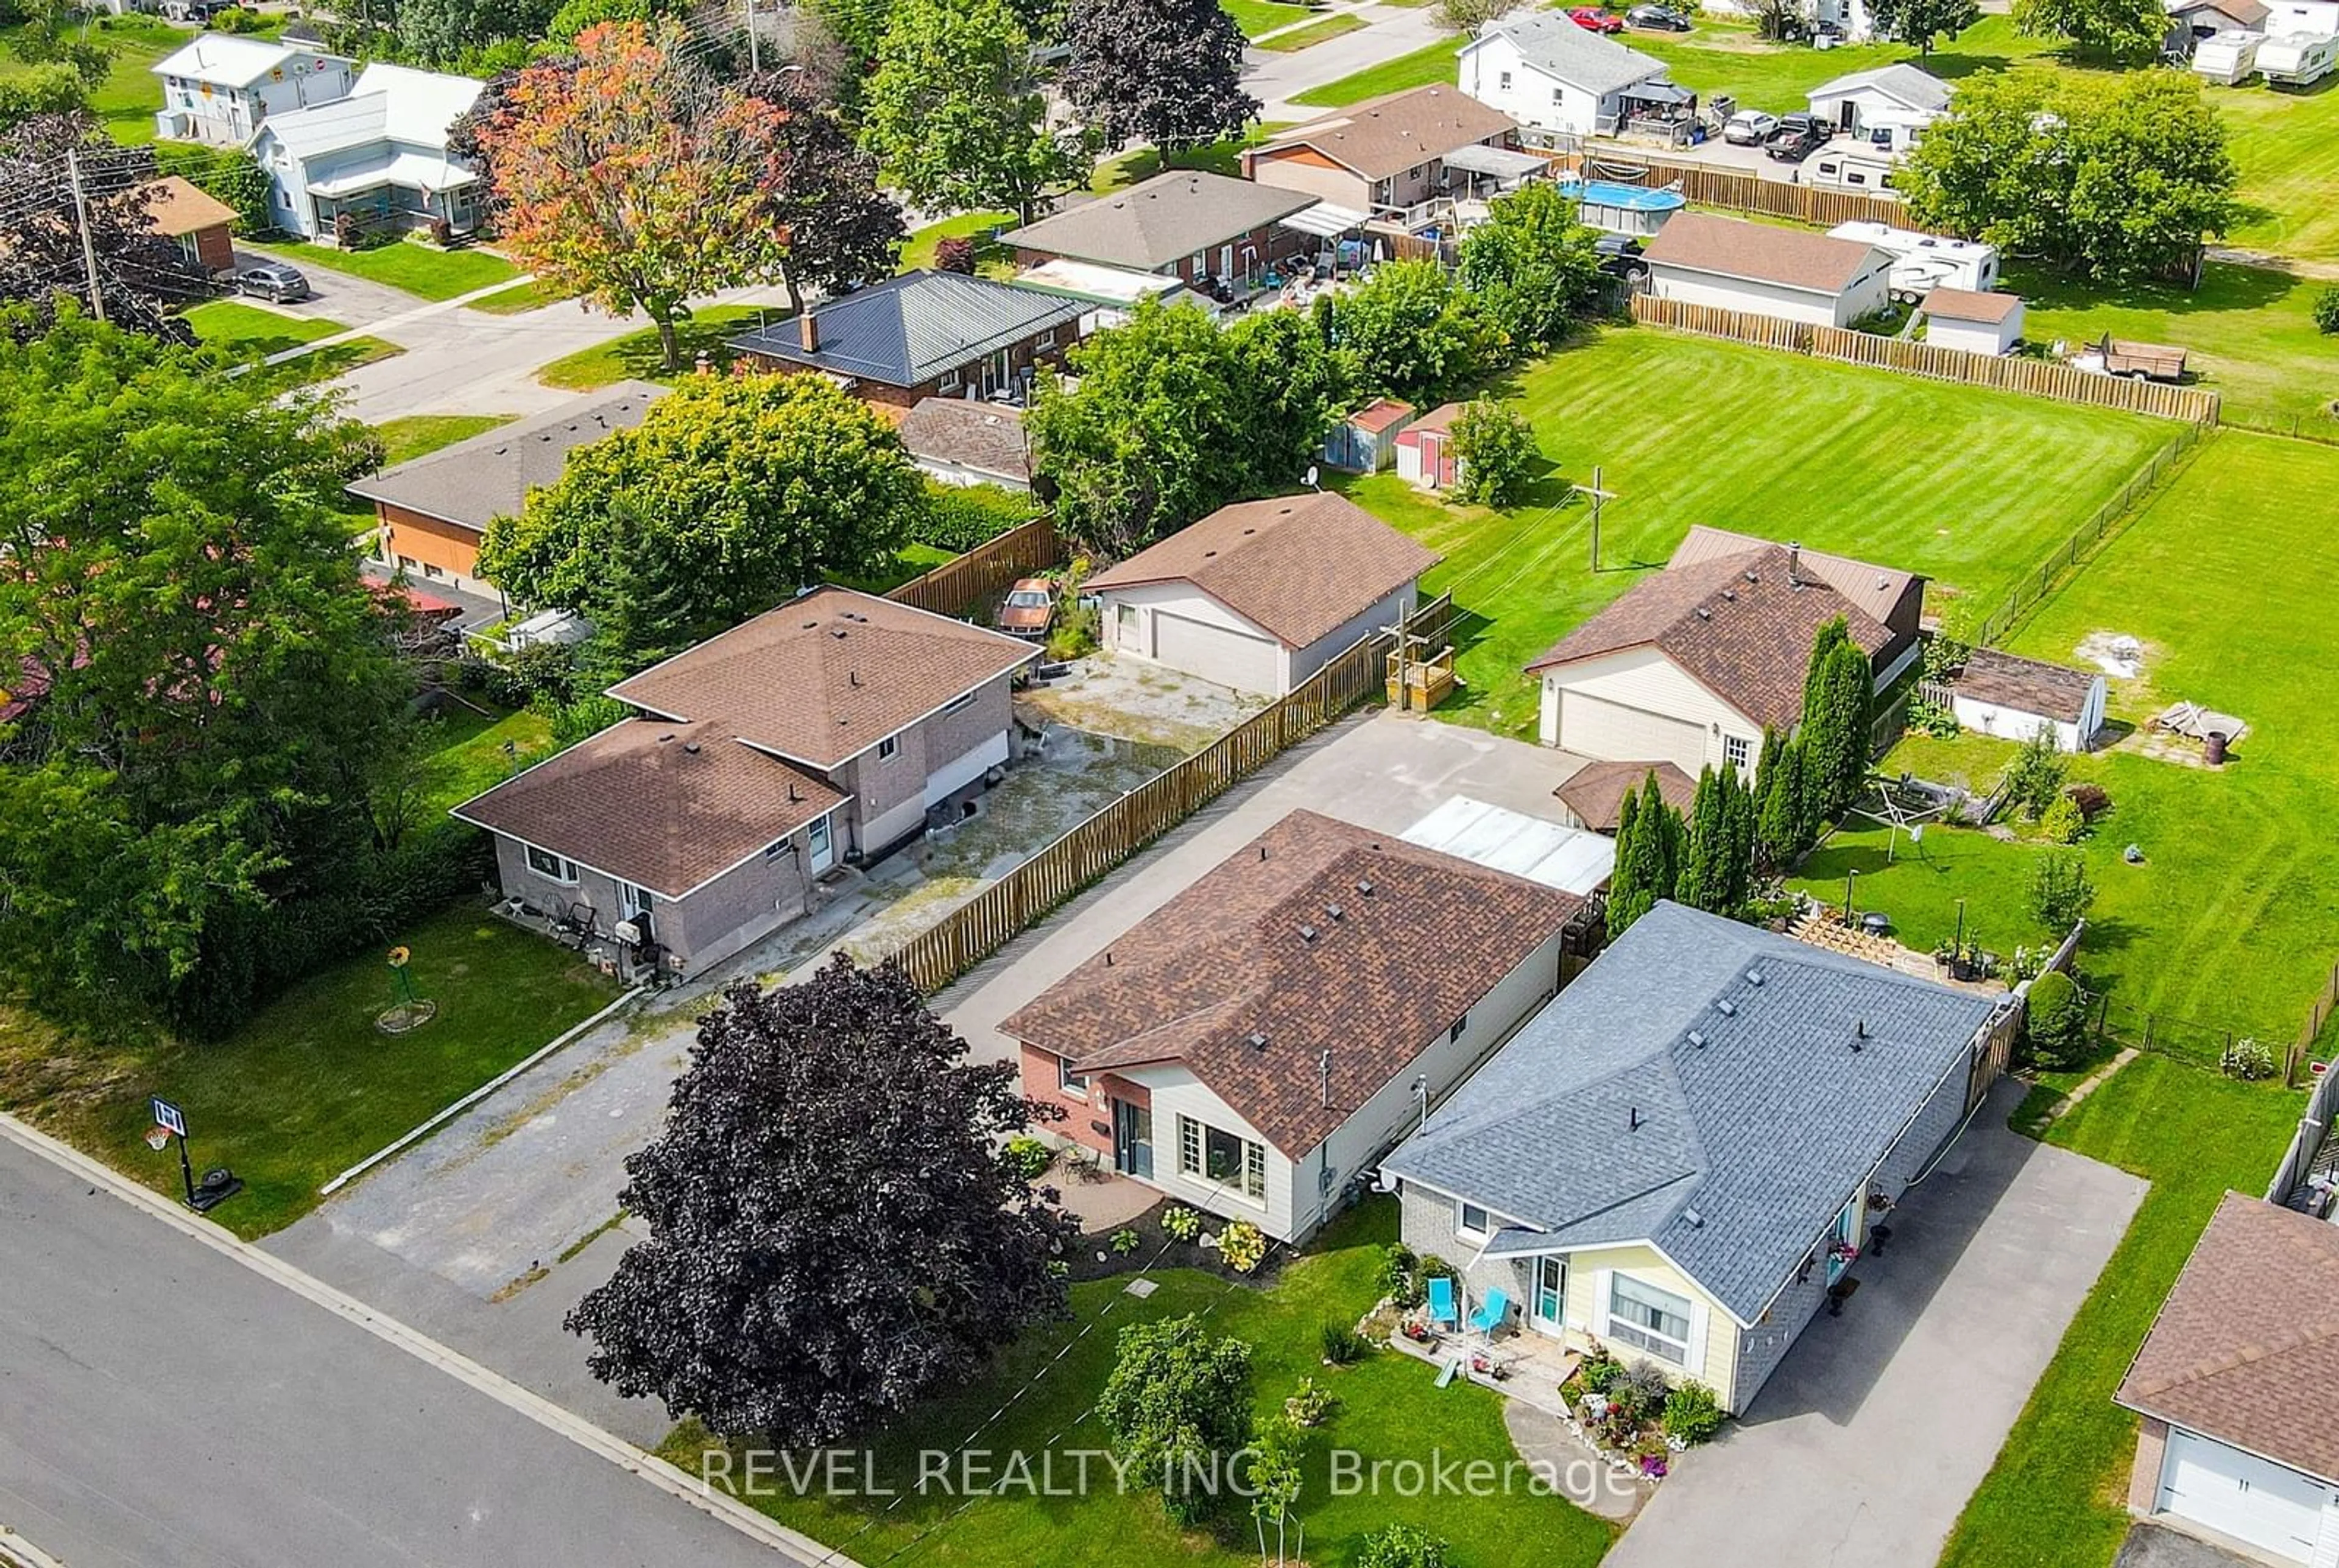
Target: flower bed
(1145, 1242)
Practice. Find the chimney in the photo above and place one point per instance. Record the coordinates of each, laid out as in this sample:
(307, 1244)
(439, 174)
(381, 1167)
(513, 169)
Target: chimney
(1794, 563)
(808, 332)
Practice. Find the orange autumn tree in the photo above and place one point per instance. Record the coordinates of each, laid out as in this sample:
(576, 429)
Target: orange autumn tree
(633, 178)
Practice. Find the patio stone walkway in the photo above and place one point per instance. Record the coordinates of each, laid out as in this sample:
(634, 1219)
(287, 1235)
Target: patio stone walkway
(1582, 1475)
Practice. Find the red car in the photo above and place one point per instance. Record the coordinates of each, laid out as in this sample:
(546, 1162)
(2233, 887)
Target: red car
(1593, 19)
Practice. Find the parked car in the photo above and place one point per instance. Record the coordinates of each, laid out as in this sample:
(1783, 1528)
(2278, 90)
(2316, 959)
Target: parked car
(1797, 137)
(1658, 19)
(1593, 19)
(1619, 257)
(277, 280)
(1030, 610)
(1749, 128)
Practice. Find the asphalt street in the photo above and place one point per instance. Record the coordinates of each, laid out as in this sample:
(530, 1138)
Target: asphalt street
(163, 1403)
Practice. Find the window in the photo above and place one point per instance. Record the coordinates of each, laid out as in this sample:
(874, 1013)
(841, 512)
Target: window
(1414, 173)
(1125, 618)
(430, 571)
(1215, 1155)
(1068, 1080)
(1734, 750)
(888, 746)
(958, 705)
(1505, 81)
(1558, 98)
(1474, 1220)
(777, 848)
(948, 383)
(1648, 1319)
(544, 863)
(1048, 338)
(1459, 1025)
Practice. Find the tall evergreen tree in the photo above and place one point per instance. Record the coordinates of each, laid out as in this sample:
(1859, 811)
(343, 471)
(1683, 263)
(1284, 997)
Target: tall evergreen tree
(1852, 697)
(1832, 636)
(1668, 846)
(1740, 803)
(1704, 873)
(1782, 823)
(1626, 899)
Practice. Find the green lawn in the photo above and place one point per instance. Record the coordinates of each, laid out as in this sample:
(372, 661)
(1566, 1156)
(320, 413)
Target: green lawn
(250, 329)
(412, 265)
(417, 434)
(2287, 146)
(126, 100)
(636, 356)
(1256, 16)
(920, 250)
(478, 751)
(1315, 33)
(1389, 1410)
(1691, 429)
(2233, 920)
(1430, 63)
(1214, 157)
(2056, 1497)
(532, 295)
(308, 1086)
(2250, 333)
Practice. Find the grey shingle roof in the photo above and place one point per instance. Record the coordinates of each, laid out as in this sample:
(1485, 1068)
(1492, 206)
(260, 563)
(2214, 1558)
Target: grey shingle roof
(911, 328)
(1553, 44)
(490, 475)
(1156, 221)
(1746, 1145)
(1917, 89)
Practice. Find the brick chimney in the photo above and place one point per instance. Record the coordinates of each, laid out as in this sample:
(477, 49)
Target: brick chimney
(808, 332)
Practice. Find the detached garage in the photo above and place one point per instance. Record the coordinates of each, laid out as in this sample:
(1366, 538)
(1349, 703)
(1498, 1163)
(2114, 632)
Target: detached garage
(1258, 596)
(2236, 1383)
(1766, 270)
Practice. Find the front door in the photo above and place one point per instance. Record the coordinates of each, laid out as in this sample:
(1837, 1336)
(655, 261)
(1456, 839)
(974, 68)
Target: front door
(634, 903)
(1132, 1139)
(822, 844)
(1548, 1302)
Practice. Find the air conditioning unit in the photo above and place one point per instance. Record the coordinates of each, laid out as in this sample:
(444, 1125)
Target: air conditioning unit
(628, 931)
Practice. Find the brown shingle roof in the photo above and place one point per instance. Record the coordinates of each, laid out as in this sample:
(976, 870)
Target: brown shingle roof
(825, 676)
(177, 207)
(1595, 794)
(1226, 960)
(2247, 1347)
(1382, 137)
(665, 806)
(2031, 685)
(1874, 589)
(1734, 623)
(475, 481)
(1763, 252)
(1968, 305)
(981, 436)
(1299, 566)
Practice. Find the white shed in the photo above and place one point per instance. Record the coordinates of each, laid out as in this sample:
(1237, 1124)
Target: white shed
(2004, 695)
(1888, 106)
(1977, 323)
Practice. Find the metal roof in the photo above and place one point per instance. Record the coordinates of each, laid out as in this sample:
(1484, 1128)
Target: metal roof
(1567, 858)
(909, 330)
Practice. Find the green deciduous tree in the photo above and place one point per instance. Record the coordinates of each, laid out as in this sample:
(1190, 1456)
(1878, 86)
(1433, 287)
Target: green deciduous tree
(1291, 384)
(2113, 30)
(1497, 448)
(1402, 1547)
(1921, 21)
(50, 87)
(2112, 177)
(836, 227)
(209, 690)
(820, 1258)
(1413, 333)
(954, 112)
(1531, 266)
(1179, 1407)
(1164, 72)
(2061, 893)
(732, 494)
(141, 276)
(447, 33)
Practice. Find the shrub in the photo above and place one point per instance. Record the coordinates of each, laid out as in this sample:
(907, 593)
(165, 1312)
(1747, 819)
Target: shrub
(1497, 449)
(1638, 1392)
(2247, 1059)
(2092, 799)
(2034, 777)
(1180, 1223)
(1243, 1244)
(1343, 1347)
(958, 518)
(1124, 1242)
(954, 254)
(1402, 1547)
(2063, 822)
(1436, 1268)
(1400, 1274)
(2326, 309)
(1076, 631)
(1030, 1155)
(1692, 1414)
(1311, 1406)
(1177, 1405)
(235, 19)
(2057, 1021)
(2060, 892)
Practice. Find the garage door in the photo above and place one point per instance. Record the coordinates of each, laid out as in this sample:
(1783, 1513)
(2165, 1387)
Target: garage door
(1595, 728)
(2273, 1509)
(1230, 658)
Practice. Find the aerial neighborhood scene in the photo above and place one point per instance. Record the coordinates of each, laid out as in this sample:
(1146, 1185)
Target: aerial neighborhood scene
(1336, 784)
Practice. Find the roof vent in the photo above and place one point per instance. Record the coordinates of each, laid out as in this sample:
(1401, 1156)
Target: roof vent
(691, 746)
(1703, 614)
(1696, 1220)
(1308, 934)
(1697, 1039)
(1249, 532)
(1753, 577)
(1334, 912)
(837, 632)
(1753, 977)
(812, 626)
(1256, 1040)
(1726, 1008)
(1729, 594)
(663, 738)
(1364, 887)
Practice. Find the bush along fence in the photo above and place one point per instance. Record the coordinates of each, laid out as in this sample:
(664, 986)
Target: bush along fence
(2033, 378)
(983, 925)
(2311, 1148)
(1725, 188)
(985, 571)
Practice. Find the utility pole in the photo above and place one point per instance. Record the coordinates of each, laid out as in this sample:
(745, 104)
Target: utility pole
(1598, 496)
(81, 221)
(754, 52)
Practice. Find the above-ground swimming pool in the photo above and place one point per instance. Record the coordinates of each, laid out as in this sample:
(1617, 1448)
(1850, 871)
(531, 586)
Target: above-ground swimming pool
(1623, 209)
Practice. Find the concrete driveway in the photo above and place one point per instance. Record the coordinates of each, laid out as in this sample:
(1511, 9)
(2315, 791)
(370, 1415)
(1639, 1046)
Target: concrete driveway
(1865, 1446)
(337, 296)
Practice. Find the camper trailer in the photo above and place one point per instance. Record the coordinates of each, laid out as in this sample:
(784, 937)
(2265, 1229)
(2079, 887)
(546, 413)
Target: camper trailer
(2228, 59)
(2298, 59)
(1852, 166)
(1922, 262)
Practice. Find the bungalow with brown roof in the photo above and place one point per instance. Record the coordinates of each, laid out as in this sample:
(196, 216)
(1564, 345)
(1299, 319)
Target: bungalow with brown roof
(823, 730)
(2238, 1387)
(1382, 156)
(1253, 1046)
(200, 224)
(1766, 270)
(1259, 595)
(1693, 664)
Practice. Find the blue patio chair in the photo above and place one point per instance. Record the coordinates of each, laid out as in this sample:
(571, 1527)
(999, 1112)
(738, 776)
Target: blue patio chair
(1443, 1313)
(1489, 1317)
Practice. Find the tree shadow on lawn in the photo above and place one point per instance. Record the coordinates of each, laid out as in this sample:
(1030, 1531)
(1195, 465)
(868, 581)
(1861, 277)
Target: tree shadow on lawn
(2226, 288)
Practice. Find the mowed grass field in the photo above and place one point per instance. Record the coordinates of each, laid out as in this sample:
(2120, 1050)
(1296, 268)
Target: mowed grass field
(1971, 488)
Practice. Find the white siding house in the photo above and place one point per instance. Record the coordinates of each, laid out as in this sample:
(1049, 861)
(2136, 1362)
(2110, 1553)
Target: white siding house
(1638, 705)
(1888, 108)
(1551, 75)
(221, 88)
(379, 155)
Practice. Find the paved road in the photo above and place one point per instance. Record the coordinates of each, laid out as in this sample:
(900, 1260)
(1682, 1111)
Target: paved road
(1275, 78)
(163, 1403)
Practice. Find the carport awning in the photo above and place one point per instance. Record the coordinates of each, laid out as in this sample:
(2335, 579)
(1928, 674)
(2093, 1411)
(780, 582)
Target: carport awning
(1503, 162)
(1512, 1242)
(1326, 219)
(1657, 93)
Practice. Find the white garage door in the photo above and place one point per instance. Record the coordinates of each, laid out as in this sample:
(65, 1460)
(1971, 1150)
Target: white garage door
(1230, 658)
(2273, 1509)
(1595, 728)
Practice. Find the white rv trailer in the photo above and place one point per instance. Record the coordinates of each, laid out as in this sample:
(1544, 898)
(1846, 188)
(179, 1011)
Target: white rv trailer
(2229, 58)
(1922, 262)
(2298, 59)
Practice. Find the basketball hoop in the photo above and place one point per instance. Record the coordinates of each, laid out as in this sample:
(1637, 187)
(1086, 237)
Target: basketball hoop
(158, 1138)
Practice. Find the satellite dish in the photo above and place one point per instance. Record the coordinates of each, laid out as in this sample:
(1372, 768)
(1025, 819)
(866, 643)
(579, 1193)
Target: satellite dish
(1311, 476)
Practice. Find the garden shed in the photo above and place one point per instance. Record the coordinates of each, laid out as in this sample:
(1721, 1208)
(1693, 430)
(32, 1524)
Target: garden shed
(2005, 694)
(1365, 442)
(1978, 323)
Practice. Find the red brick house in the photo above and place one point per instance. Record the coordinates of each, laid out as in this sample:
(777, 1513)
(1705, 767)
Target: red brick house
(1186, 224)
(923, 335)
(200, 224)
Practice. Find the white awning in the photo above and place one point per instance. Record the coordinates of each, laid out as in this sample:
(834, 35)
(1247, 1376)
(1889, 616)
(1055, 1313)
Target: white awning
(413, 171)
(1569, 859)
(1503, 162)
(1655, 92)
(1325, 220)
(1096, 283)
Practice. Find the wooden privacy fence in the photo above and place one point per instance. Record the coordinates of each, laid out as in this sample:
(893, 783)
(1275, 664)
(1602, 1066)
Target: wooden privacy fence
(985, 570)
(2038, 377)
(981, 927)
(1713, 321)
(1707, 187)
